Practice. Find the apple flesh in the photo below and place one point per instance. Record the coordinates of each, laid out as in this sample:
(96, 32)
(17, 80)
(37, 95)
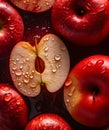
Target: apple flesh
(44, 66)
(13, 109)
(81, 22)
(48, 121)
(11, 28)
(86, 91)
(34, 5)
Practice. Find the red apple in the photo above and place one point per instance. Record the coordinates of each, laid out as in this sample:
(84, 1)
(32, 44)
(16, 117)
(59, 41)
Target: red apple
(13, 109)
(11, 28)
(86, 91)
(44, 65)
(82, 22)
(34, 5)
(48, 121)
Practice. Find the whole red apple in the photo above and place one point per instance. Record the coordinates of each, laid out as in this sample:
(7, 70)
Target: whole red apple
(11, 28)
(48, 121)
(86, 91)
(13, 109)
(82, 22)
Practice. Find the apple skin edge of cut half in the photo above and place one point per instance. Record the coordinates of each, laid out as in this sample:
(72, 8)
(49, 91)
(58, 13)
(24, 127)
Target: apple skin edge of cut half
(47, 64)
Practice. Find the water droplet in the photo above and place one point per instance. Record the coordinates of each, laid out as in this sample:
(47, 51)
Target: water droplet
(88, 6)
(21, 67)
(33, 71)
(67, 100)
(57, 57)
(33, 85)
(84, 67)
(6, 89)
(99, 63)
(54, 70)
(18, 102)
(14, 68)
(31, 76)
(27, 73)
(17, 59)
(14, 63)
(26, 79)
(7, 97)
(71, 91)
(58, 66)
(19, 84)
(37, 7)
(46, 49)
(46, 39)
(18, 72)
(89, 64)
(11, 27)
(103, 70)
(9, 18)
(27, 59)
(47, 3)
(68, 82)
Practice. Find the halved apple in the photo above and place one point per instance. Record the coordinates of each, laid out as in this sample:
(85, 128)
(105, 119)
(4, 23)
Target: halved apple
(34, 5)
(47, 64)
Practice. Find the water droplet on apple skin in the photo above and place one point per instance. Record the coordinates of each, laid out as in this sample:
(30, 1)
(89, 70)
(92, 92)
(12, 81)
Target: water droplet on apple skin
(68, 82)
(7, 97)
(99, 63)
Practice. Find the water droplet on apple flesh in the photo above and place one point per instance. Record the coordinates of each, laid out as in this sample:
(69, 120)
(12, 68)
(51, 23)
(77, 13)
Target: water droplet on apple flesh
(26, 79)
(67, 101)
(8, 97)
(32, 85)
(57, 57)
(19, 84)
(46, 49)
(54, 70)
(18, 72)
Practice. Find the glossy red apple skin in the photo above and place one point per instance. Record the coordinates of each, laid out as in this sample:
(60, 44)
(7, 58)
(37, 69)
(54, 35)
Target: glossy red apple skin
(48, 121)
(86, 91)
(11, 28)
(81, 22)
(13, 109)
